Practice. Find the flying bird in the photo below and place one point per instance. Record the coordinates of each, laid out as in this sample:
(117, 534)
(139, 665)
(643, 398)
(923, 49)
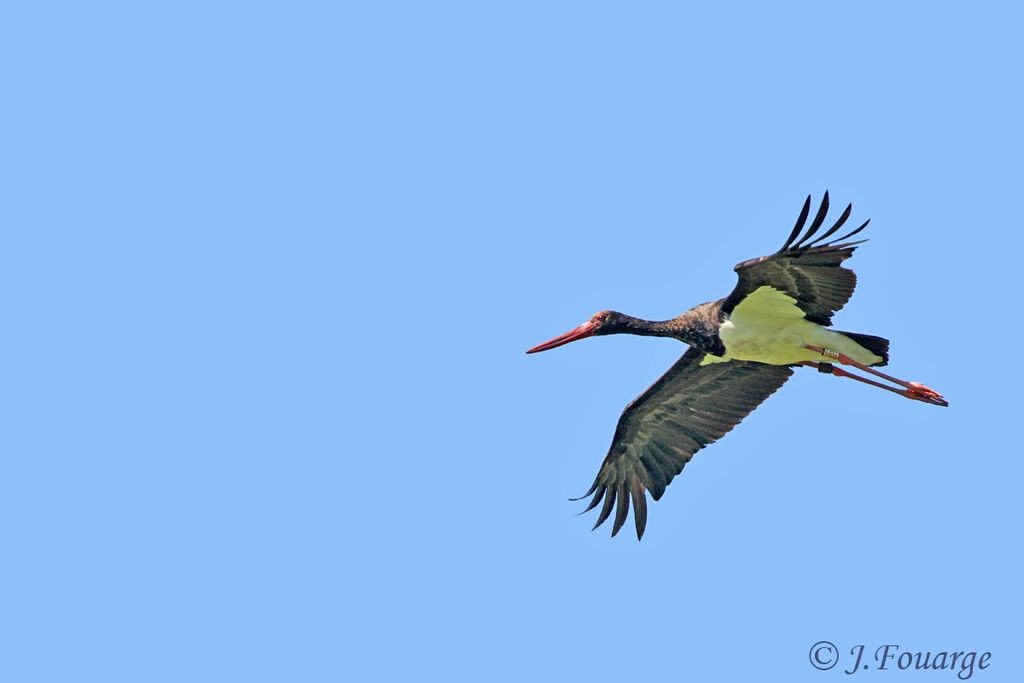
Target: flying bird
(742, 349)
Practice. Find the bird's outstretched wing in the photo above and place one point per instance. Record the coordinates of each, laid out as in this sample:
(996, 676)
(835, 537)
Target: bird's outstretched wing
(691, 406)
(808, 271)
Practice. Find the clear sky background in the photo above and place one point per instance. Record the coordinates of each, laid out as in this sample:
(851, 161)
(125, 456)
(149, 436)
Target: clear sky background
(269, 271)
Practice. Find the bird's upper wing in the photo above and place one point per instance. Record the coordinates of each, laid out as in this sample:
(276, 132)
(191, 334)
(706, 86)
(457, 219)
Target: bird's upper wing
(691, 406)
(808, 271)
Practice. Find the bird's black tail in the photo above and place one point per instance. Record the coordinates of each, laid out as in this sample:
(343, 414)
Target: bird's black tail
(876, 345)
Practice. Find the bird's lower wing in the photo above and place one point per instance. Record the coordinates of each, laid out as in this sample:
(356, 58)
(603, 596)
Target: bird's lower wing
(691, 406)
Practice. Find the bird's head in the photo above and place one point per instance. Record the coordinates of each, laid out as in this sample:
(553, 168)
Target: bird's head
(605, 322)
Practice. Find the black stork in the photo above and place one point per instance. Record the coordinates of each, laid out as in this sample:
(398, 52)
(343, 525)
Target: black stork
(742, 349)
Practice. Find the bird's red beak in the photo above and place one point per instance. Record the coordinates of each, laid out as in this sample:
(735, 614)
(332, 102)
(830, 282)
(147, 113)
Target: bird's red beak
(584, 330)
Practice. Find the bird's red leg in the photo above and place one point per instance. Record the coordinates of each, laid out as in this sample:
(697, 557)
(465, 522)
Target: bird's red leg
(913, 390)
(839, 372)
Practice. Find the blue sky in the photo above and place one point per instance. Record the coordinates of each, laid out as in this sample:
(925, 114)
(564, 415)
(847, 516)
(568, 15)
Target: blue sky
(270, 271)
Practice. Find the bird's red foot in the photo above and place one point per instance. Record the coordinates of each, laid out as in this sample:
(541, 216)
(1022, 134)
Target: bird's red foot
(920, 392)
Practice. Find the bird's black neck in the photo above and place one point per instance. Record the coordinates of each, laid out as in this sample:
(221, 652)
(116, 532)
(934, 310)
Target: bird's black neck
(646, 328)
(697, 327)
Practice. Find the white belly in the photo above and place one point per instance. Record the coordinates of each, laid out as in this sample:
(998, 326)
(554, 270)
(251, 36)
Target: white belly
(769, 327)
